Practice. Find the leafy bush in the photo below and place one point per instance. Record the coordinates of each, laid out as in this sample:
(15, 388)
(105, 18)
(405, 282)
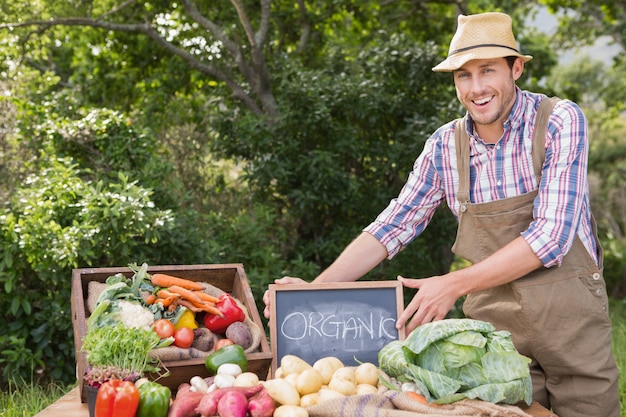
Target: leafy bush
(57, 221)
(345, 139)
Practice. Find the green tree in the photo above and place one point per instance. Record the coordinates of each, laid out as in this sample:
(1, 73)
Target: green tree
(599, 89)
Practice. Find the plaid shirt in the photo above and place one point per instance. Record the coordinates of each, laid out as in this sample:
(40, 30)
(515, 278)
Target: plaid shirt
(502, 170)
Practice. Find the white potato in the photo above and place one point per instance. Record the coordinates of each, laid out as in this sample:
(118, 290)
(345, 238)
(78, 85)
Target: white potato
(309, 381)
(364, 389)
(347, 373)
(366, 373)
(292, 379)
(326, 394)
(342, 386)
(327, 367)
(290, 411)
(246, 379)
(282, 391)
(309, 399)
(291, 364)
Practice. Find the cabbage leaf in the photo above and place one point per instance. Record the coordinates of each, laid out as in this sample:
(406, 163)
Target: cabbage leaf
(460, 358)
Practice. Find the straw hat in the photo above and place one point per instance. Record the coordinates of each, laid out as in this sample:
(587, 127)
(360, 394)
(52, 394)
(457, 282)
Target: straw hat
(481, 36)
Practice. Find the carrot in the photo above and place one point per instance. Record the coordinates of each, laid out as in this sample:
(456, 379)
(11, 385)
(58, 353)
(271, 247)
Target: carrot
(165, 301)
(167, 294)
(206, 297)
(163, 280)
(208, 308)
(189, 305)
(150, 299)
(185, 293)
(420, 398)
(417, 397)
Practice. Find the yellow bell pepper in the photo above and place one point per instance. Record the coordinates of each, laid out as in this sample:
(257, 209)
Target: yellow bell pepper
(187, 319)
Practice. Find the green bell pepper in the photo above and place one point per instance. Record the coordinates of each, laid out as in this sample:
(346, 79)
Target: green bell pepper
(154, 400)
(227, 354)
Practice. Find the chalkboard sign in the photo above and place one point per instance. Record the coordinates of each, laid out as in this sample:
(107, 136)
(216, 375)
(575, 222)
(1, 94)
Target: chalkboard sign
(346, 320)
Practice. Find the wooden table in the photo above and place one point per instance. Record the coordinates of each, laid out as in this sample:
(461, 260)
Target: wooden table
(70, 406)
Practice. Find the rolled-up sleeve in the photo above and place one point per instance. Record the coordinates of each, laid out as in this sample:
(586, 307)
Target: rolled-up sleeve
(563, 191)
(407, 215)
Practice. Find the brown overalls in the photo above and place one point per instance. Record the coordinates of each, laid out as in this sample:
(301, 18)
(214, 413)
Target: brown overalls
(557, 316)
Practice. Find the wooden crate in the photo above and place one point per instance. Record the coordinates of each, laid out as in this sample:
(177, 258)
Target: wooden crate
(230, 278)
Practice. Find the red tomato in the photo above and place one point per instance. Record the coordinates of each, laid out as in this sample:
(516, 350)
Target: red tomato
(223, 342)
(183, 337)
(164, 328)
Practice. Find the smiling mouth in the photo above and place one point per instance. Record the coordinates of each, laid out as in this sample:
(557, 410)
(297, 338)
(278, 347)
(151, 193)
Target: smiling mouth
(483, 101)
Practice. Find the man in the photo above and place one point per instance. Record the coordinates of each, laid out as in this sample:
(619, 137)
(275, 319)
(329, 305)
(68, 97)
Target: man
(536, 260)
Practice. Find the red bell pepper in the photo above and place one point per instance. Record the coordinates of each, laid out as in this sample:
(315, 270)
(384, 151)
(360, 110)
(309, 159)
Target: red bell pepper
(231, 311)
(117, 398)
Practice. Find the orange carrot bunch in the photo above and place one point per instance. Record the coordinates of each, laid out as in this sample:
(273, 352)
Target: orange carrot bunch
(179, 291)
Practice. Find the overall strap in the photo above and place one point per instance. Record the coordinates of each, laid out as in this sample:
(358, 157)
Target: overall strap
(539, 134)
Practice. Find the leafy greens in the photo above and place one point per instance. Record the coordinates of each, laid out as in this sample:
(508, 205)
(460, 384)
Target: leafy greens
(460, 358)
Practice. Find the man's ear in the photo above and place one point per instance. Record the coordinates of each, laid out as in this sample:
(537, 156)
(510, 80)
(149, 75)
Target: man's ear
(518, 68)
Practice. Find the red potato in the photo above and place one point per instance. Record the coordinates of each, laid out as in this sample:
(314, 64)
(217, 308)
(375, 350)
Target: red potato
(209, 403)
(261, 404)
(185, 403)
(233, 404)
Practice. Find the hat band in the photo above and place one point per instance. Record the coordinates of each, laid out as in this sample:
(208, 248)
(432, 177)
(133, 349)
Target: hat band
(484, 45)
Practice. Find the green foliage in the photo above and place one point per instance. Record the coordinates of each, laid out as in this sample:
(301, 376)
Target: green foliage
(55, 222)
(599, 90)
(347, 135)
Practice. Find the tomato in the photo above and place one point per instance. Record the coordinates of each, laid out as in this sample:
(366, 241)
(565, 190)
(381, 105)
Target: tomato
(164, 328)
(223, 342)
(183, 337)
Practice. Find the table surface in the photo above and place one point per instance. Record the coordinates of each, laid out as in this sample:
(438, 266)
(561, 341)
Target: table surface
(70, 406)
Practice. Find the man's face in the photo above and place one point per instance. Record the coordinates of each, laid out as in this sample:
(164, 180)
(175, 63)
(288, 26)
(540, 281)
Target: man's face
(486, 87)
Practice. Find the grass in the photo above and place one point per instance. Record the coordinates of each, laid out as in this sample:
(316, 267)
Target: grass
(28, 400)
(618, 317)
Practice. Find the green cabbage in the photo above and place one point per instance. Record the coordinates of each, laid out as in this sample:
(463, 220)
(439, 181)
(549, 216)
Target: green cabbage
(460, 358)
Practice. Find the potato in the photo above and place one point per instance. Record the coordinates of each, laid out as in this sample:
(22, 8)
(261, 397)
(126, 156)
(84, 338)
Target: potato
(282, 391)
(364, 389)
(290, 411)
(346, 373)
(240, 334)
(326, 394)
(342, 386)
(366, 373)
(309, 381)
(291, 364)
(292, 379)
(327, 367)
(309, 399)
(246, 379)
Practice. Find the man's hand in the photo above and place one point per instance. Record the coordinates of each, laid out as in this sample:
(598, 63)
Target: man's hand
(280, 281)
(434, 299)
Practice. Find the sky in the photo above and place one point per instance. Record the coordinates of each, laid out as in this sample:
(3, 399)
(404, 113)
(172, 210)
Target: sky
(602, 50)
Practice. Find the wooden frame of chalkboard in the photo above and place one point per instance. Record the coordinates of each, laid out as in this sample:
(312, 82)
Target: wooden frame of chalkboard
(348, 320)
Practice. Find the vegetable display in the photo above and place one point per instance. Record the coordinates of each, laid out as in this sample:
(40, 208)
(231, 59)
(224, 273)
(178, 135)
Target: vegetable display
(449, 360)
